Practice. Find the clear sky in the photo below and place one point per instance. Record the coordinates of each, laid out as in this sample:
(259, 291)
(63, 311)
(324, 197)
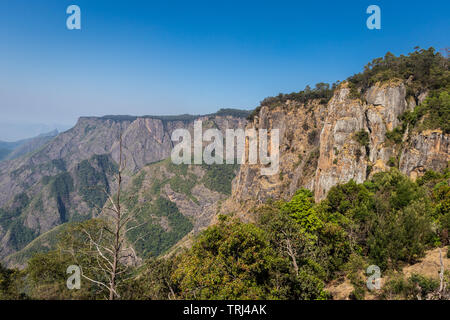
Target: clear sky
(171, 57)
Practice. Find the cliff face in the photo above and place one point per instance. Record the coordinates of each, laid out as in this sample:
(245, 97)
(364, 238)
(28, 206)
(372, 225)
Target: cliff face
(427, 150)
(300, 128)
(320, 147)
(50, 186)
(341, 157)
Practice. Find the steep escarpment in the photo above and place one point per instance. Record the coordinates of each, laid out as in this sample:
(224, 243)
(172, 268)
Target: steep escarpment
(348, 138)
(299, 128)
(356, 139)
(394, 114)
(64, 180)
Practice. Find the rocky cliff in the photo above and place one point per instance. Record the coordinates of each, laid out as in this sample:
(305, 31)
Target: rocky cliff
(59, 182)
(394, 114)
(323, 145)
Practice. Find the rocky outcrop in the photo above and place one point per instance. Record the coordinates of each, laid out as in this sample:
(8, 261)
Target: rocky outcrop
(341, 157)
(337, 155)
(299, 129)
(427, 150)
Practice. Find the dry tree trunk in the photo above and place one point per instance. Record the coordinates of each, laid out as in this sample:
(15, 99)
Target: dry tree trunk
(441, 276)
(110, 254)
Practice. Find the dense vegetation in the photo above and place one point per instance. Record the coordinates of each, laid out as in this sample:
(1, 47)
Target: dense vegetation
(92, 178)
(291, 252)
(422, 70)
(219, 177)
(163, 226)
(11, 219)
(294, 248)
(322, 92)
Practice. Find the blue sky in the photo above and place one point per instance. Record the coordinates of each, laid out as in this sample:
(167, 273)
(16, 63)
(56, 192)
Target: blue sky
(172, 57)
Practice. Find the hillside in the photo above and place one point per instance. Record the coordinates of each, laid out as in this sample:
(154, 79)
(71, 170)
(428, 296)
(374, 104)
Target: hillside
(14, 150)
(62, 181)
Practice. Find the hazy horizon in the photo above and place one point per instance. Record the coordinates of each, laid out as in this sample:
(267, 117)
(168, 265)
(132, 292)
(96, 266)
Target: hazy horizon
(158, 58)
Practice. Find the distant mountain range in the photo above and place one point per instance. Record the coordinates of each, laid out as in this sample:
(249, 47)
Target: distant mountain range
(49, 180)
(13, 150)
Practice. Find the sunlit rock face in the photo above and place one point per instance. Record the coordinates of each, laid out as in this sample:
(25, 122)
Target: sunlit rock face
(318, 147)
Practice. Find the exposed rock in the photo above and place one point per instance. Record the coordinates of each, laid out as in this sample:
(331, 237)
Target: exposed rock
(339, 156)
(299, 128)
(145, 140)
(427, 150)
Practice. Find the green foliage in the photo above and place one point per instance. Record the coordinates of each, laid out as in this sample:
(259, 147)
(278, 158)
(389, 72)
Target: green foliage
(322, 92)
(9, 214)
(10, 219)
(155, 281)
(425, 69)
(218, 177)
(433, 113)
(438, 189)
(362, 137)
(354, 270)
(287, 237)
(92, 179)
(43, 243)
(234, 260)
(386, 218)
(20, 234)
(10, 281)
(292, 250)
(184, 185)
(396, 135)
(301, 209)
(152, 239)
(47, 276)
(60, 187)
(413, 288)
(421, 71)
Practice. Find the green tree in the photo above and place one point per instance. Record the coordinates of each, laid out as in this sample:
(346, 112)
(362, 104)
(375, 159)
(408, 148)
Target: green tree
(301, 208)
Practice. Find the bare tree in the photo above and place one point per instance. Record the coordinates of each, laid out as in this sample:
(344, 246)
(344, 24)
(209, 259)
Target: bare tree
(442, 285)
(107, 246)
